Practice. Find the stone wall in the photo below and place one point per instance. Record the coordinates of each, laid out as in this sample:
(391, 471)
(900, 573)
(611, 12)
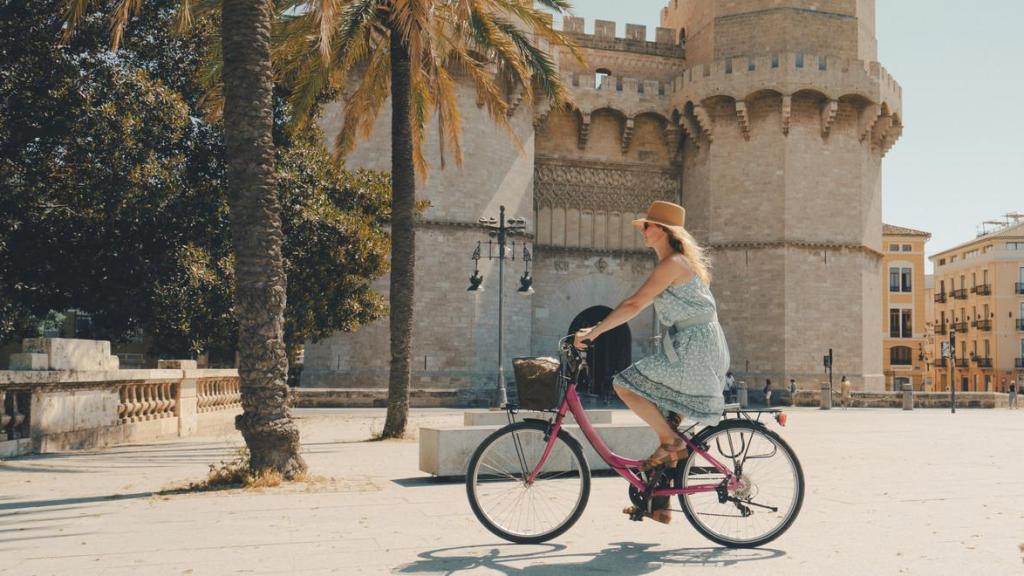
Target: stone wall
(716, 29)
(455, 337)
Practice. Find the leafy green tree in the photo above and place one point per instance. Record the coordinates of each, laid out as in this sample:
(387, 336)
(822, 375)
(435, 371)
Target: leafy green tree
(413, 51)
(119, 198)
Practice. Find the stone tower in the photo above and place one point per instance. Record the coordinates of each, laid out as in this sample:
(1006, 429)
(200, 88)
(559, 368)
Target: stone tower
(767, 119)
(787, 115)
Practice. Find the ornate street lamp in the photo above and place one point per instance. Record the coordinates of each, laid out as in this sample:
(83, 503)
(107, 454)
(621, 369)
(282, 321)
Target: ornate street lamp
(500, 229)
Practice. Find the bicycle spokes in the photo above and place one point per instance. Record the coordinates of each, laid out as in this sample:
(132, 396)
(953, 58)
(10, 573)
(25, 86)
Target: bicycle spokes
(759, 495)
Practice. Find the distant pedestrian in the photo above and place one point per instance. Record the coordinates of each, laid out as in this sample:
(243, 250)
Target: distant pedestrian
(730, 387)
(792, 391)
(768, 392)
(1013, 394)
(844, 392)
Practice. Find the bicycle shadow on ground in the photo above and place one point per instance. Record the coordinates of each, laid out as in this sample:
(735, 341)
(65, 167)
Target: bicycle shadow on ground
(620, 558)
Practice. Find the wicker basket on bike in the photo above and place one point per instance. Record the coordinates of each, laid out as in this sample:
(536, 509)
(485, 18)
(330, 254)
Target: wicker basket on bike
(537, 385)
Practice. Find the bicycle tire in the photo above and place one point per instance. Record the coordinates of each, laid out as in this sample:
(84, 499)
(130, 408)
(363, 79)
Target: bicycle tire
(684, 469)
(532, 428)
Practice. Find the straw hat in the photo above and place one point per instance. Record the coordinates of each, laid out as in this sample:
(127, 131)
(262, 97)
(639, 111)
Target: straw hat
(665, 214)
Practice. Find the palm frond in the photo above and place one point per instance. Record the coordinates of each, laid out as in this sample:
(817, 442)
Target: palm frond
(541, 67)
(364, 104)
(74, 11)
(324, 12)
(422, 103)
(122, 13)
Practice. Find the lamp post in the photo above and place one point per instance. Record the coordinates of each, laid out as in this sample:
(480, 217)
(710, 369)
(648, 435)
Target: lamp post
(501, 229)
(952, 369)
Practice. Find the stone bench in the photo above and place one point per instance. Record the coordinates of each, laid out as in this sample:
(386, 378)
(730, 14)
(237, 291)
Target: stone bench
(500, 417)
(445, 451)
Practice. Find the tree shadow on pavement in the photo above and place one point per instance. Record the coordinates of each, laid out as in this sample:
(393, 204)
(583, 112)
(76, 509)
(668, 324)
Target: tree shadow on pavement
(620, 558)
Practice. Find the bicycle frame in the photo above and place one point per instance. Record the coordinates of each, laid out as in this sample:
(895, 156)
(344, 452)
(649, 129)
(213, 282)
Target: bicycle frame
(623, 466)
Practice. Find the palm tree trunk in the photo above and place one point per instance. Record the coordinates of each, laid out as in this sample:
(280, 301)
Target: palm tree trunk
(265, 422)
(403, 239)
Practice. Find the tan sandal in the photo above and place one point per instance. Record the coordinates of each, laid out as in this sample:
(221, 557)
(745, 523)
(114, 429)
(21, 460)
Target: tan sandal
(663, 515)
(669, 453)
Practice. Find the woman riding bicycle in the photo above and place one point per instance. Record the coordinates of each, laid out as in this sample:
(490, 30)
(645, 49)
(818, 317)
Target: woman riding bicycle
(687, 374)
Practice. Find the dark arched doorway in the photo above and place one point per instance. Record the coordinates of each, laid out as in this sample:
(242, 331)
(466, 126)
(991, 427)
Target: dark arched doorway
(612, 353)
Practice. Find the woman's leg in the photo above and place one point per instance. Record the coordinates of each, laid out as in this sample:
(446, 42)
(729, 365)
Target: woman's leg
(648, 412)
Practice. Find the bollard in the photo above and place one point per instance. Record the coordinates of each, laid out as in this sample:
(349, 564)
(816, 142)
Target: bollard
(826, 397)
(908, 397)
(743, 394)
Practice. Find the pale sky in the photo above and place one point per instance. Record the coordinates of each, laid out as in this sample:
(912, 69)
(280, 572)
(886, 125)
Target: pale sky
(961, 157)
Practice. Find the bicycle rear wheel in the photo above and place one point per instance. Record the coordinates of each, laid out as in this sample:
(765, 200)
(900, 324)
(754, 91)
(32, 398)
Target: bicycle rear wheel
(764, 507)
(518, 511)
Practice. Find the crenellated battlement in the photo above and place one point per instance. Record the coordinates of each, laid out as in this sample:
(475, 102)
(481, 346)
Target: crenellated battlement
(666, 40)
(788, 73)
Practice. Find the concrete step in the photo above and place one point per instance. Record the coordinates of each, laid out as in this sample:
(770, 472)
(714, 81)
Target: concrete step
(500, 417)
(371, 397)
(445, 451)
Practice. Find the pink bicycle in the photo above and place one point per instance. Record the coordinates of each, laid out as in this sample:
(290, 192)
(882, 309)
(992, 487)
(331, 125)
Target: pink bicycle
(741, 485)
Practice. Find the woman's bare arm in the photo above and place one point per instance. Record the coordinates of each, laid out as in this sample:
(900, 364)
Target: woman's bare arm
(668, 271)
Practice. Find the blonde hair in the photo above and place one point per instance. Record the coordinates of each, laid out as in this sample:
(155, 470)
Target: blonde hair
(684, 243)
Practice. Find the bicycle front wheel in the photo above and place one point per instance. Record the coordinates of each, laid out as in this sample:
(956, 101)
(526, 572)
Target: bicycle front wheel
(772, 492)
(521, 511)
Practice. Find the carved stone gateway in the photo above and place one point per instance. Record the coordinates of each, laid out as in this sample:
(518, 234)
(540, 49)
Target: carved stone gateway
(590, 205)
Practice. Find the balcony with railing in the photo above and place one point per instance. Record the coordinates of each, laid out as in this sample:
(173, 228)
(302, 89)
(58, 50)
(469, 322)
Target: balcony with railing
(960, 326)
(982, 289)
(985, 325)
(983, 362)
(941, 329)
(959, 293)
(940, 297)
(961, 363)
(941, 363)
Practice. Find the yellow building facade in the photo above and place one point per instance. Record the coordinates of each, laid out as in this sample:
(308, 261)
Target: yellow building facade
(906, 346)
(979, 293)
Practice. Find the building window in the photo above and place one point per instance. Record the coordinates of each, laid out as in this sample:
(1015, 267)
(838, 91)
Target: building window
(900, 279)
(894, 247)
(942, 261)
(901, 323)
(900, 356)
(1015, 245)
(908, 248)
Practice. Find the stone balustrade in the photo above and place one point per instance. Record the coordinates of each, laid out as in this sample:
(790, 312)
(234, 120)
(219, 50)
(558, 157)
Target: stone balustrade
(14, 410)
(218, 394)
(54, 410)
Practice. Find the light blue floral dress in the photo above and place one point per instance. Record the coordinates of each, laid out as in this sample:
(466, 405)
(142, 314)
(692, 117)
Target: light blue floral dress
(687, 374)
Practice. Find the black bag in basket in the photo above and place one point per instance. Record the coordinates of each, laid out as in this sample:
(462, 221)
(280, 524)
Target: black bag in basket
(536, 383)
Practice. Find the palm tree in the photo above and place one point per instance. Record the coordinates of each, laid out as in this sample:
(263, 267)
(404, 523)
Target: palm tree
(415, 50)
(247, 75)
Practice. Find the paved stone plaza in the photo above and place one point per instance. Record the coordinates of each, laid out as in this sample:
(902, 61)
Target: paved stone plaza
(889, 492)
